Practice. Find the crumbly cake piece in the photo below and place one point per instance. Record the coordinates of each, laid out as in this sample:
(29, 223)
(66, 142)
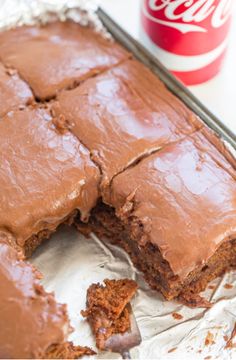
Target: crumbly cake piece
(57, 55)
(107, 310)
(68, 351)
(46, 177)
(14, 92)
(123, 115)
(176, 210)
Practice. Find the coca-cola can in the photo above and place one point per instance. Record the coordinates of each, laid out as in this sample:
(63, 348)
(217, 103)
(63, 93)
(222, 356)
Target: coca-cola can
(188, 36)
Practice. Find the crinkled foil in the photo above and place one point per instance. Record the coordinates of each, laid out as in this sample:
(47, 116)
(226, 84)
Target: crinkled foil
(27, 12)
(70, 262)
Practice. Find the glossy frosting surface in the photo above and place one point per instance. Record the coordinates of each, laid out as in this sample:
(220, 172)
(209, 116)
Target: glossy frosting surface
(184, 194)
(30, 319)
(57, 55)
(44, 175)
(185, 198)
(13, 91)
(123, 114)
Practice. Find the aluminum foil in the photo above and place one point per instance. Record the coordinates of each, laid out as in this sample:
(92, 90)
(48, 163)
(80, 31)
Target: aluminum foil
(70, 262)
(28, 12)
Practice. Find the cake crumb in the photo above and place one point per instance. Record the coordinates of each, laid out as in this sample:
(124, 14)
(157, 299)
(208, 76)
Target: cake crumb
(211, 287)
(228, 286)
(11, 71)
(172, 350)
(177, 316)
(61, 124)
(209, 340)
(68, 351)
(226, 338)
(207, 357)
(194, 301)
(229, 343)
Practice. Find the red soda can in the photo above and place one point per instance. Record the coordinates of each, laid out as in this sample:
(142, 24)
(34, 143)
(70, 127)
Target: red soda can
(188, 36)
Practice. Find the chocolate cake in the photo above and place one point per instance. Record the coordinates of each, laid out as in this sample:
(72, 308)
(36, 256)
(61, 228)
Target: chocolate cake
(57, 56)
(124, 114)
(107, 310)
(45, 178)
(32, 324)
(14, 92)
(178, 215)
(113, 142)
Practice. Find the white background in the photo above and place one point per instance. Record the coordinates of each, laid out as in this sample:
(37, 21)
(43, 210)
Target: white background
(218, 94)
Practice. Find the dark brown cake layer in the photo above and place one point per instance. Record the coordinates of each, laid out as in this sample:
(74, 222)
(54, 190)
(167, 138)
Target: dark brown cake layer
(180, 202)
(107, 310)
(45, 176)
(14, 92)
(124, 114)
(58, 55)
(156, 270)
(175, 210)
(184, 200)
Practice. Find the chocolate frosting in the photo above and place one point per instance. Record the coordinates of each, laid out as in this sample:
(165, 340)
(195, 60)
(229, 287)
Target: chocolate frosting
(30, 319)
(44, 175)
(58, 55)
(183, 195)
(185, 198)
(124, 114)
(13, 91)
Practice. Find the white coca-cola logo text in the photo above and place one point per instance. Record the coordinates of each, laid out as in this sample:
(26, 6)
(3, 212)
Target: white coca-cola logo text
(194, 12)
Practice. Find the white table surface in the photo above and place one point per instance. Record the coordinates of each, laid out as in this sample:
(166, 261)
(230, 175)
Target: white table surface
(218, 94)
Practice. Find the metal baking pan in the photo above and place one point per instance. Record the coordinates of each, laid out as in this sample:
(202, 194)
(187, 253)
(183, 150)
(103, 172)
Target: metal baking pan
(174, 85)
(69, 265)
